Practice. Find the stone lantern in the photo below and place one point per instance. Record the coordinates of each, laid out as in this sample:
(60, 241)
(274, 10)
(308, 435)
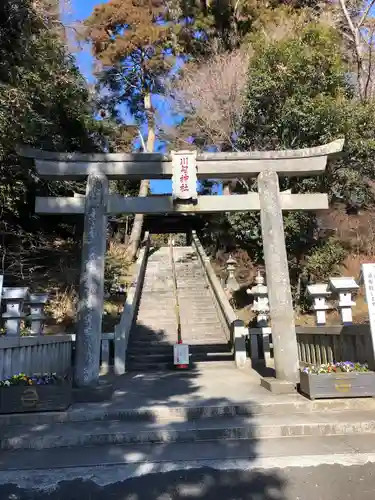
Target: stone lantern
(13, 298)
(231, 283)
(343, 289)
(261, 303)
(37, 302)
(319, 292)
(261, 307)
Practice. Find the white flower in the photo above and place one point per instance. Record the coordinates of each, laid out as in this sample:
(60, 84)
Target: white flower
(7, 383)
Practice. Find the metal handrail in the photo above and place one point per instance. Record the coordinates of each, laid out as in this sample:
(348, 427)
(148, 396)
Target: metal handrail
(174, 280)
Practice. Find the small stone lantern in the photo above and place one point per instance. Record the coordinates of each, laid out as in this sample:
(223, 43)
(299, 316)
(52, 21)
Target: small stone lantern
(261, 307)
(261, 303)
(344, 288)
(231, 283)
(14, 298)
(36, 317)
(319, 293)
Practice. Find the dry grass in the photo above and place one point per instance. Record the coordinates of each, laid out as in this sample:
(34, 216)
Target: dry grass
(61, 281)
(61, 310)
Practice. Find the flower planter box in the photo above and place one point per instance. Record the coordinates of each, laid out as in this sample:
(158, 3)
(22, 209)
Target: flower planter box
(35, 398)
(338, 385)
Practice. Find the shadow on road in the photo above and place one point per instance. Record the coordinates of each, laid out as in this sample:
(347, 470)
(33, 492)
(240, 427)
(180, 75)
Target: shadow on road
(193, 484)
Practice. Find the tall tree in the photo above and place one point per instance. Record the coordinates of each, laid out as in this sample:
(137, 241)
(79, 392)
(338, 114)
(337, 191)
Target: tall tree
(130, 40)
(358, 27)
(299, 95)
(44, 102)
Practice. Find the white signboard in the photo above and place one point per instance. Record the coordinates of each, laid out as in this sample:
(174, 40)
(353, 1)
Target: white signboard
(184, 178)
(368, 277)
(181, 354)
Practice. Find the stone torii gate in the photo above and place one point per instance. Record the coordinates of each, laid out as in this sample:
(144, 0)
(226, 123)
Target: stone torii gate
(97, 204)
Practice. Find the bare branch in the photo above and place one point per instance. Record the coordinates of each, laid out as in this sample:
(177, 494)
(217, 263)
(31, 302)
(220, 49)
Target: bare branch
(348, 18)
(211, 96)
(365, 13)
(361, 46)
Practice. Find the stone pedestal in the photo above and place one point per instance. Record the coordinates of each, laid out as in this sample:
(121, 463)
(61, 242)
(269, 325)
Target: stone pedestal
(90, 306)
(277, 273)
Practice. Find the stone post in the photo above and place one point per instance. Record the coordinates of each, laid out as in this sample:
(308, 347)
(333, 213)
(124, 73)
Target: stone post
(279, 292)
(90, 306)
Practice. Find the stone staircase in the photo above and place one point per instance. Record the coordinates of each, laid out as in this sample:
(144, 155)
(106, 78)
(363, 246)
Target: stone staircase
(155, 331)
(184, 428)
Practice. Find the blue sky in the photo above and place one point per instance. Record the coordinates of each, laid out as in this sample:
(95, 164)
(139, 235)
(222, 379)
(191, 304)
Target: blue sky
(81, 9)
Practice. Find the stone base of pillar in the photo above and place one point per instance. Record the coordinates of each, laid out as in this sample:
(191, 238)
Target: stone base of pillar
(94, 394)
(277, 386)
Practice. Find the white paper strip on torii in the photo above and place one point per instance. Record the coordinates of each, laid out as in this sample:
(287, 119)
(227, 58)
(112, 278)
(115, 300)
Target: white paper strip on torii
(184, 175)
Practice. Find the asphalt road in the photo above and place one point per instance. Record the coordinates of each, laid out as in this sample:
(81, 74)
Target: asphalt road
(323, 482)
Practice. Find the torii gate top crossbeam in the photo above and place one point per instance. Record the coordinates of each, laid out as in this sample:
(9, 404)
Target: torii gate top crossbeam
(138, 166)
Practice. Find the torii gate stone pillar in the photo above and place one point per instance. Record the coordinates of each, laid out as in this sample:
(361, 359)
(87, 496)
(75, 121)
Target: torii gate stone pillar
(91, 296)
(279, 291)
(267, 166)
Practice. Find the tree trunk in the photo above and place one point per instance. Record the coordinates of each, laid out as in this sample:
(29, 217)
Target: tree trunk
(136, 233)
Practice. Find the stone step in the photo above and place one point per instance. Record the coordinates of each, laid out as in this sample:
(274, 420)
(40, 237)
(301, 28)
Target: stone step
(142, 367)
(140, 345)
(195, 295)
(151, 357)
(193, 321)
(161, 335)
(139, 348)
(206, 304)
(100, 461)
(170, 338)
(157, 306)
(154, 289)
(155, 326)
(185, 281)
(188, 317)
(163, 315)
(198, 315)
(207, 330)
(154, 321)
(267, 426)
(162, 303)
(164, 414)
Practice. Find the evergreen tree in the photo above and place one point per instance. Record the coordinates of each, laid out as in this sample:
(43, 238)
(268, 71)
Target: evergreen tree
(132, 42)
